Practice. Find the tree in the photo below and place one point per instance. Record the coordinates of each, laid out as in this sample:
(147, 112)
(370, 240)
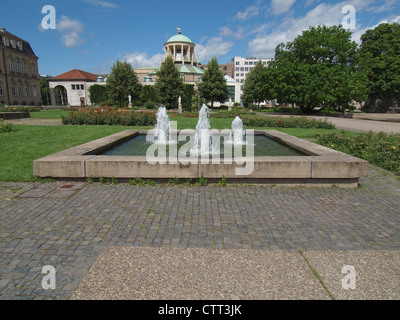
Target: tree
(188, 92)
(169, 85)
(123, 82)
(45, 91)
(149, 94)
(213, 85)
(98, 93)
(253, 88)
(319, 69)
(380, 60)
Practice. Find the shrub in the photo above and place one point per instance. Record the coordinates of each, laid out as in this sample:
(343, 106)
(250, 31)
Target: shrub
(380, 149)
(107, 116)
(5, 127)
(20, 109)
(288, 122)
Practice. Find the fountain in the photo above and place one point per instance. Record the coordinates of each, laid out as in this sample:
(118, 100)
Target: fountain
(275, 157)
(162, 126)
(202, 141)
(237, 133)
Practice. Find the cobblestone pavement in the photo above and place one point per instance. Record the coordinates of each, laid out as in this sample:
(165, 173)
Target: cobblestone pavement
(67, 226)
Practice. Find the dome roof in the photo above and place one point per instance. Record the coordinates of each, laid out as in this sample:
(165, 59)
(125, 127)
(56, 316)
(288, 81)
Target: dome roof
(179, 38)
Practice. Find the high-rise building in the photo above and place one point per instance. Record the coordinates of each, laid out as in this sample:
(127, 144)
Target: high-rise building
(19, 74)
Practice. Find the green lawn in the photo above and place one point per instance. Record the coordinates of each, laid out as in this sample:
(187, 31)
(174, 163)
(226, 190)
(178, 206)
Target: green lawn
(20, 148)
(49, 114)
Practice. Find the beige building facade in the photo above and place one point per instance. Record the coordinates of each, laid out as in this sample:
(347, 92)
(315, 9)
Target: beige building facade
(19, 73)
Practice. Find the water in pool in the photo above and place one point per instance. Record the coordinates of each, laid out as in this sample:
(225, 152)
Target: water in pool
(263, 146)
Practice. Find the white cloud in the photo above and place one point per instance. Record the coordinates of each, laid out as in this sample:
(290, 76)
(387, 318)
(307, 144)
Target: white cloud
(103, 4)
(228, 32)
(65, 25)
(281, 6)
(386, 5)
(250, 12)
(263, 45)
(70, 30)
(214, 48)
(142, 59)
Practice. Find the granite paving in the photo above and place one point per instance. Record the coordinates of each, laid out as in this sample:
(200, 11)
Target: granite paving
(69, 224)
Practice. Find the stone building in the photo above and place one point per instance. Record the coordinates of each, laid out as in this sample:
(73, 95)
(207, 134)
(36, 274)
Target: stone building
(72, 88)
(19, 73)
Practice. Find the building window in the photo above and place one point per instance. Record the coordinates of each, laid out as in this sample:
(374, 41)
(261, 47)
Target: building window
(26, 90)
(17, 68)
(13, 91)
(72, 86)
(33, 69)
(6, 42)
(24, 67)
(35, 91)
(1, 89)
(13, 43)
(82, 87)
(19, 87)
(11, 64)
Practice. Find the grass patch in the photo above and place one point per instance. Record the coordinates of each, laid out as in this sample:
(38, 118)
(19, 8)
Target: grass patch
(27, 143)
(49, 114)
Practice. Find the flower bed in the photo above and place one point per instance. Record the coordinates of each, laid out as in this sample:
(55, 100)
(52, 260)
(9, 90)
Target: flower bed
(380, 149)
(107, 116)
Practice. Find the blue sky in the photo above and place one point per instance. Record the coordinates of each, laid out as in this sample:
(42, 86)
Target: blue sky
(92, 34)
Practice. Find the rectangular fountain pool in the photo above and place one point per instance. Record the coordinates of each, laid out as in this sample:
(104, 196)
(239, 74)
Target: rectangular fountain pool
(263, 146)
(312, 165)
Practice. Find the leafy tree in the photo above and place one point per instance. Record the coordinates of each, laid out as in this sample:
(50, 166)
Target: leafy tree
(123, 82)
(253, 88)
(149, 94)
(98, 93)
(319, 69)
(169, 85)
(380, 60)
(213, 85)
(188, 92)
(268, 78)
(45, 91)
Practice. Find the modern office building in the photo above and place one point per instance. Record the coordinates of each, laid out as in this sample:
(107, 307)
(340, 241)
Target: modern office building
(243, 66)
(19, 74)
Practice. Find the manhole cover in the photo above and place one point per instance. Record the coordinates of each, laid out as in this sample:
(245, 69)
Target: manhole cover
(66, 186)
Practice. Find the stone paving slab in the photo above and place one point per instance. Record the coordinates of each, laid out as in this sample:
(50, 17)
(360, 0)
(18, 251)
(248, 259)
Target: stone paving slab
(130, 273)
(70, 232)
(377, 273)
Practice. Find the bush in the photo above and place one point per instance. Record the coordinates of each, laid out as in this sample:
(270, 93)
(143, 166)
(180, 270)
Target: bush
(289, 122)
(107, 116)
(380, 149)
(5, 127)
(20, 109)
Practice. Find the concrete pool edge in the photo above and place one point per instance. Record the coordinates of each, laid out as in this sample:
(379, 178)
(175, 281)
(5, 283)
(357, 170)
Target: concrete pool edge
(321, 165)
